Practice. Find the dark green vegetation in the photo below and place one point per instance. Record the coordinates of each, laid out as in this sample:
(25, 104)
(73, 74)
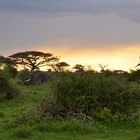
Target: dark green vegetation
(95, 95)
(7, 90)
(80, 105)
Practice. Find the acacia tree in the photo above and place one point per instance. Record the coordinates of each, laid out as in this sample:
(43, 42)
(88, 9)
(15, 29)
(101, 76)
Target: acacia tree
(33, 59)
(79, 68)
(61, 66)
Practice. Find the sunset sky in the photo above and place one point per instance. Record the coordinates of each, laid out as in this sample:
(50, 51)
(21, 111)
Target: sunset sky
(79, 31)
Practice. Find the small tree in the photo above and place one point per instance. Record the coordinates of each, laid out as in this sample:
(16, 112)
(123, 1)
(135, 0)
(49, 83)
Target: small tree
(79, 68)
(103, 67)
(33, 59)
(61, 66)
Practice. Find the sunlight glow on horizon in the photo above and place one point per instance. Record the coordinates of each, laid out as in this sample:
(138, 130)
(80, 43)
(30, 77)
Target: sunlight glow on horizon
(117, 58)
(121, 57)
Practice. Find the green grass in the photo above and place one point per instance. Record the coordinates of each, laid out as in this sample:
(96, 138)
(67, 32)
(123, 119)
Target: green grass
(28, 133)
(31, 96)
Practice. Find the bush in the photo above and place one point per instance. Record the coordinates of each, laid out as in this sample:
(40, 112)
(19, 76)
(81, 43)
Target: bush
(93, 94)
(135, 76)
(7, 90)
(10, 70)
(22, 75)
(106, 116)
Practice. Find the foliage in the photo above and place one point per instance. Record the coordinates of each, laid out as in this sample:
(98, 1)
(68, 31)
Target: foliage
(7, 90)
(1, 60)
(75, 101)
(22, 75)
(79, 68)
(106, 116)
(54, 129)
(90, 94)
(135, 76)
(33, 59)
(60, 67)
(10, 70)
(4, 60)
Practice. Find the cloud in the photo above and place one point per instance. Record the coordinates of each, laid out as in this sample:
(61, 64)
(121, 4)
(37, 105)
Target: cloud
(124, 8)
(25, 24)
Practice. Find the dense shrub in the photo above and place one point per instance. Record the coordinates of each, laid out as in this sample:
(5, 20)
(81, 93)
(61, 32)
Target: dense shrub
(135, 76)
(10, 70)
(93, 95)
(22, 75)
(7, 90)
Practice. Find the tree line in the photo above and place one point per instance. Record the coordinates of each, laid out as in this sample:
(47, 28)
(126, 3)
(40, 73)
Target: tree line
(34, 60)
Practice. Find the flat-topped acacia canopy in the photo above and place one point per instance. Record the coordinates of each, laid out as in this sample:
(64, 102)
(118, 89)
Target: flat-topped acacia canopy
(33, 59)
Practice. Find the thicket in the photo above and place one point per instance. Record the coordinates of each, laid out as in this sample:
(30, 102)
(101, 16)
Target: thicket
(135, 76)
(22, 75)
(7, 90)
(92, 96)
(10, 70)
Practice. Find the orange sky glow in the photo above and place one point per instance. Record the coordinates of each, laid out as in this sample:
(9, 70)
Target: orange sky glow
(122, 57)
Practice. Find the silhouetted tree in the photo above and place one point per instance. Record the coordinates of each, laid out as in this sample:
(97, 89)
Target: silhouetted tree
(103, 67)
(79, 68)
(61, 66)
(33, 59)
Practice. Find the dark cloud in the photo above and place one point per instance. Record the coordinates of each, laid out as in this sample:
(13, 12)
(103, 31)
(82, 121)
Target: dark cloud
(124, 8)
(29, 24)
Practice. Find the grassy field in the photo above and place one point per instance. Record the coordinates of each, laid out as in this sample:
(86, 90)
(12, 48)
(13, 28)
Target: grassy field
(31, 96)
